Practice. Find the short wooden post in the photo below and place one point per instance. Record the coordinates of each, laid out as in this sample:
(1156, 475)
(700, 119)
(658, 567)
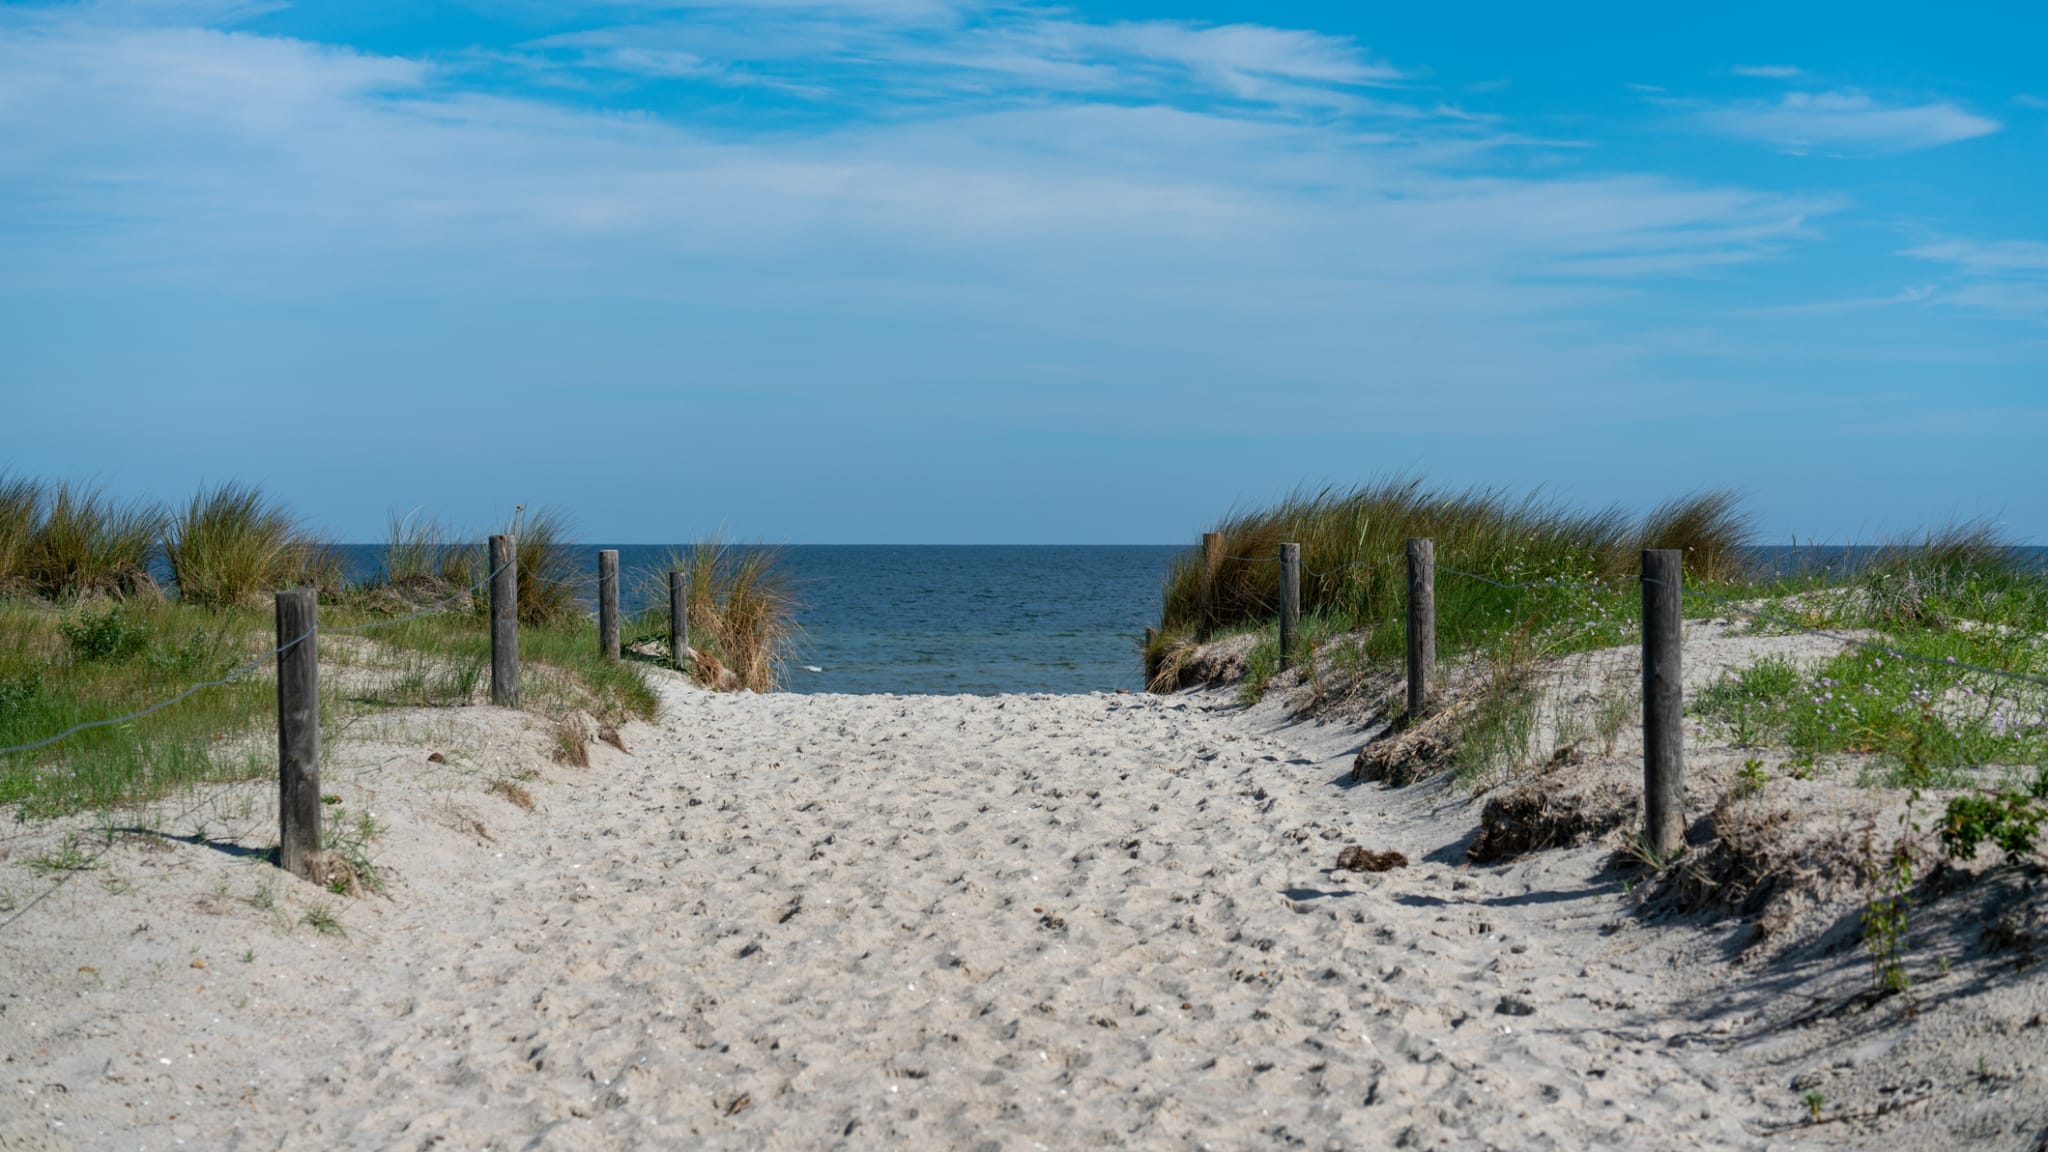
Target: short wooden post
(1421, 624)
(504, 569)
(298, 733)
(678, 617)
(1290, 601)
(1212, 562)
(1663, 704)
(608, 602)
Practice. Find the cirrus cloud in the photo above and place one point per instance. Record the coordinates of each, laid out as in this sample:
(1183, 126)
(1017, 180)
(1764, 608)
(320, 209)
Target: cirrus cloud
(1846, 121)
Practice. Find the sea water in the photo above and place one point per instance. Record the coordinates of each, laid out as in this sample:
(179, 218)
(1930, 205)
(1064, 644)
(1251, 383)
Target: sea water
(942, 619)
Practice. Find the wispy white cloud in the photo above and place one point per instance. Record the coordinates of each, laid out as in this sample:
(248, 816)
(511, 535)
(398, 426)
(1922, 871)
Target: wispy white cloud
(2026, 100)
(1848, 122)
(1986, 257)
(1768, 71)
(2008, 277)
(1918, 294)
(263, 150)
(1014, 51)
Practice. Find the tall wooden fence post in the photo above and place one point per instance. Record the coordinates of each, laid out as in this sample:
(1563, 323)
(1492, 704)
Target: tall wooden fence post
(1421, 624)
(1212, 563)
(298, 733)
(678, 617)
(608, 603)
(1290, 601)
(504, 570)
(1663, 704)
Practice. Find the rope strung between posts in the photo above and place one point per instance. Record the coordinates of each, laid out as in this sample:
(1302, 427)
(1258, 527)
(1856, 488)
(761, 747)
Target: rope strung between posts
(242, 671)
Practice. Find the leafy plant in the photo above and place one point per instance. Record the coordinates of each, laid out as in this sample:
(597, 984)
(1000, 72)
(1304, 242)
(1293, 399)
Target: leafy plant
(19, 689)
(2008, 818)
(1750, 778)
(107, 636)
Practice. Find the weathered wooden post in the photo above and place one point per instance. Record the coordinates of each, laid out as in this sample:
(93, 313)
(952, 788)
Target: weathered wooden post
(678, 617)
(298, 733)
(608, 602)
(1421, 624)
(1290, 601)
(1212, 562)
(1663, 704)
(504, 570)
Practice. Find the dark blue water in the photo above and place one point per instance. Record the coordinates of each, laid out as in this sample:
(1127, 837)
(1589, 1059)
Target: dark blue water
(944, 619)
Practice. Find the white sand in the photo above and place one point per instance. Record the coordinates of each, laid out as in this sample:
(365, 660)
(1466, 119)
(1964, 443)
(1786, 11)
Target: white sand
(801, 922)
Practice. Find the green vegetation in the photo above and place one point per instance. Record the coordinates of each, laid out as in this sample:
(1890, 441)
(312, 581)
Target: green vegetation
(2009, 817)
(1957, 603)
(87, 635)
(1572, 572)
(81, 542)
(1523, 582)
(230, 548)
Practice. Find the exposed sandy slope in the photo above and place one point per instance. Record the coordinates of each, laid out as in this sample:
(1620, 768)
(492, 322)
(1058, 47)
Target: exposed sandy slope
(1011, 922)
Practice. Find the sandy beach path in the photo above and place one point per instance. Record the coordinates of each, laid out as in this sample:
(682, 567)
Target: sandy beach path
(803, 922)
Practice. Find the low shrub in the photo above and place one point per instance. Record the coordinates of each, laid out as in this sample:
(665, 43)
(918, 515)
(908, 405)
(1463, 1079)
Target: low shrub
(106, 636)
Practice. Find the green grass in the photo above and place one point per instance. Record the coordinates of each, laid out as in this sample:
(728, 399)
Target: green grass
(422, 554)
(1955, 598)
(21, 502)
(230, 547)
(561, 670)
(63, 667)
(49, 682)
(83, 543)
(1354, 568)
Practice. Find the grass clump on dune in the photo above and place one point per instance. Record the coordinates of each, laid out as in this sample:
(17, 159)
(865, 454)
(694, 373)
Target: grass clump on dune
(1354, 574)
(86, 543)
(21, 503)
(550, 580)
(421, 554)
(86, 636)
(231, 547)
(742, 612)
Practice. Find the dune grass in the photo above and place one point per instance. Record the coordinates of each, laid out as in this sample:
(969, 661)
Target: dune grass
(86, 543)
(86, 635)
(422, 552)
(231, 547)
(100, 659)
(21, 503)
(1949, 602)
(1354, 574)
(742, 611)
(551, 581)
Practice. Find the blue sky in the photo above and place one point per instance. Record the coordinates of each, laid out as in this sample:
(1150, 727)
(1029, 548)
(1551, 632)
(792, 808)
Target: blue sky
(827, 271)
